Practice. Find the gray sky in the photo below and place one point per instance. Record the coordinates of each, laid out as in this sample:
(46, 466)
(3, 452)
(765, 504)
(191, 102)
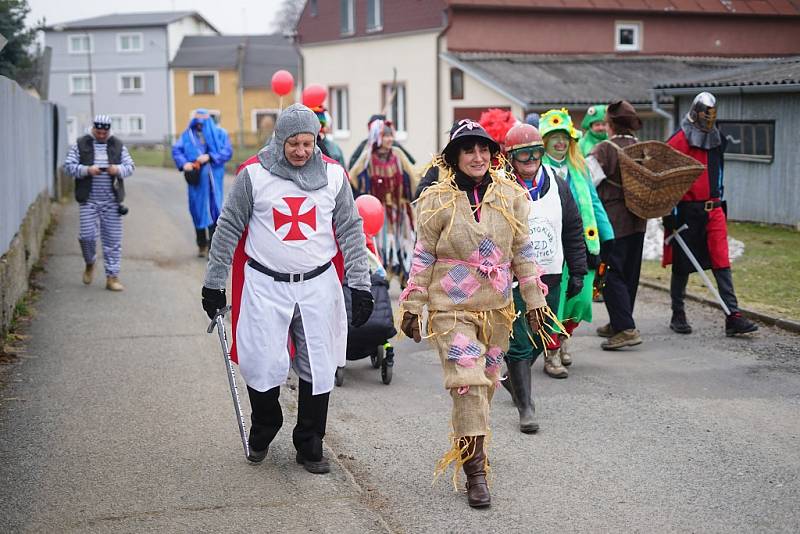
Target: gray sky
(228, 16)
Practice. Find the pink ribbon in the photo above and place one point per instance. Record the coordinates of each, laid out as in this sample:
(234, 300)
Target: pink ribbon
(498, 282)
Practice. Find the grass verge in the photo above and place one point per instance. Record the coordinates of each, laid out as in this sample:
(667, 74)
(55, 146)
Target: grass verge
(766, 277)
(162, 157)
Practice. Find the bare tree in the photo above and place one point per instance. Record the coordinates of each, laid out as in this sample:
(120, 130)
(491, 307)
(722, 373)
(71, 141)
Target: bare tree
(288, 15)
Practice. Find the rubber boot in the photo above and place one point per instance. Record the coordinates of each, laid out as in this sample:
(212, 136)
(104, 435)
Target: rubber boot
(564, 353)
(519, 374)
(312, 419)
(475, 469)
(266, 419)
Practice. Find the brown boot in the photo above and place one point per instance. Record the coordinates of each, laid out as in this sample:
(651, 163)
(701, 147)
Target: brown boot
(88, 273)
(202, 251)
(475, 469)
(564, 354)
(626, 338)
(553, 366)
(605, 331)
(113, 284)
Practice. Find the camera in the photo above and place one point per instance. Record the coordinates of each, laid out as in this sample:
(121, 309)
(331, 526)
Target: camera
(122, 209)
(103, 169)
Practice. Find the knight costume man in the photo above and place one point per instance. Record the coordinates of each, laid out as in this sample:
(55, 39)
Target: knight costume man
(295, 207)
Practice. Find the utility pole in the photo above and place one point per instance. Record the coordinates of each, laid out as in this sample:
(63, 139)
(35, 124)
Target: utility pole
(91, 78)
(240, 51)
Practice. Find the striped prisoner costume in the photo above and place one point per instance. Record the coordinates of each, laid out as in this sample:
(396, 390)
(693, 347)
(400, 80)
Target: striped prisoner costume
(99, 212)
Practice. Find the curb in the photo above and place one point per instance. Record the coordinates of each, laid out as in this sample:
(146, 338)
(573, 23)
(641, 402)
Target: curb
(785, 324)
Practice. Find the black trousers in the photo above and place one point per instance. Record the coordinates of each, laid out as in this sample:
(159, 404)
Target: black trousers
(724, 278)
(204, 235)
(267, 419)
(624, 263)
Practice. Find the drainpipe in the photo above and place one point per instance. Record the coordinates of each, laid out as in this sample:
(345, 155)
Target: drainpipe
(240, 96)
(661, 111)
(438, 121)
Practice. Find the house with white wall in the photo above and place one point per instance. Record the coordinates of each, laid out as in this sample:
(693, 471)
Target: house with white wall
(119, 65)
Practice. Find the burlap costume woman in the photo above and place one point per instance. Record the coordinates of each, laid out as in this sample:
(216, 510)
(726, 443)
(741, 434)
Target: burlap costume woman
(471, 240)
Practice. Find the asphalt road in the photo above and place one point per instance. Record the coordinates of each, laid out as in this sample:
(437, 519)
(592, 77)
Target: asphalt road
(117, 418)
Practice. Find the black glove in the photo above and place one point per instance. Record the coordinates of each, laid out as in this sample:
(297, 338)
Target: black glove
(213, 301)
(574, 286)
(593, 261)
(362, 303)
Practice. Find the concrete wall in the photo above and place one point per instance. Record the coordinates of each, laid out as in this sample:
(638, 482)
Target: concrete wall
(34, 150)
(762, 192)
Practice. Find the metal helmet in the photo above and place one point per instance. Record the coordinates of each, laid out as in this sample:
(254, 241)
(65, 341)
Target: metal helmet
(703, 112)
(521, 136)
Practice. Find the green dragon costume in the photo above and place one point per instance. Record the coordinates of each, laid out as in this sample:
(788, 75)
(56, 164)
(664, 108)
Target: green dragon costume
(594, 114)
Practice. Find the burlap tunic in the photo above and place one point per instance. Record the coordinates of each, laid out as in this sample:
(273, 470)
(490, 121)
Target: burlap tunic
(463, 270)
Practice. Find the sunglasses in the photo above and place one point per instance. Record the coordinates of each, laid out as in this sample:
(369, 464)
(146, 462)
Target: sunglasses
(102, 126)
(528, 153)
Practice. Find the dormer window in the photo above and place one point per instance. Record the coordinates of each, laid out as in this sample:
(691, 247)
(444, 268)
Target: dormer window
(374, 15)
(347, 15)
(627, 36)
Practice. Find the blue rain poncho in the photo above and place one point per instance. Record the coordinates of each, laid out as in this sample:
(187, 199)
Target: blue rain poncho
(205, 198)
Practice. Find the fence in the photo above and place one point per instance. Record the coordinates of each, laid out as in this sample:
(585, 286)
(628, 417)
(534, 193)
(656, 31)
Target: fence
(33, 145)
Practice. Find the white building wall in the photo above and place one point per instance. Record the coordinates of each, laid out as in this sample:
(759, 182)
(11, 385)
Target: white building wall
(363, 65)
(183, 27)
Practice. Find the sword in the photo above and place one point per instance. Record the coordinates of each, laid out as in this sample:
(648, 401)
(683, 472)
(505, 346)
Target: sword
(217, 323)
(676, 236)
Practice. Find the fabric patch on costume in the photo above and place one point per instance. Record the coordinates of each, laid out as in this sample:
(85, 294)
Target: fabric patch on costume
(527, 251)
(459, 284)
(422, 260)
(494, 357)
(463, 351)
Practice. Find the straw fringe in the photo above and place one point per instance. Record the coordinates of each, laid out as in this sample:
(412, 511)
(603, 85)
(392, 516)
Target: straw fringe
(459, 454)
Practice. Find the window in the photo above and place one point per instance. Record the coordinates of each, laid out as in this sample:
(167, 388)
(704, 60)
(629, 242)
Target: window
(628, 36)
(340, 109)
(117, 123)
(347, 15)
(456, 84)
(80, 44)
(81, 84)
(130, 42)
(749, 140)
(396, 109)
(374, 15)
(130, 82)
(203, 82)
(135, 124)
(263, 123)
(313, 8)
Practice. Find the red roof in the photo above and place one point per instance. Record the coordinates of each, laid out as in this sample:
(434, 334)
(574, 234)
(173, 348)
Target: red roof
(730, 7)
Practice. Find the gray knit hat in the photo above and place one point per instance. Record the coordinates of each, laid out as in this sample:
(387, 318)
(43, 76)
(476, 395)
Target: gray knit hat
(295, 119)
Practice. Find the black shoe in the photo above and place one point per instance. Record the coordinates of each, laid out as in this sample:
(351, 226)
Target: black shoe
(318, 468)
(256, 456)
(736, 324)
(678, 323)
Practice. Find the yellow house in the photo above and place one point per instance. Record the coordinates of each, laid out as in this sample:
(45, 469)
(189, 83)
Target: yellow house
(229, 75)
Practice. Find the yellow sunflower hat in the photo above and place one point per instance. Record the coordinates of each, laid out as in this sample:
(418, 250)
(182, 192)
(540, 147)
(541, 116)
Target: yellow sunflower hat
(558, 120)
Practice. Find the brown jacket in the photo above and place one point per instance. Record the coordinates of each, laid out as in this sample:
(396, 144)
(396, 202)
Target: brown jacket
(610, 190)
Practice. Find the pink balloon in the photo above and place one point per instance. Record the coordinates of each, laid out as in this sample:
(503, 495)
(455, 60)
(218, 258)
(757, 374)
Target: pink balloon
(314, 95)
(371, 212)
(282, 82)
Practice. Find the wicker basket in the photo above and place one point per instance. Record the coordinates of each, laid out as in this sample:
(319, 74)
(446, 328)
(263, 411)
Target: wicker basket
(655, 176)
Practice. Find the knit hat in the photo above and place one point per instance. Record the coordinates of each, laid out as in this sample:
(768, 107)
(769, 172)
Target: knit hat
(596, 113)
(532, 119)
(622, 115)
(558, 120)
(294, 120)
(102, 122)
(463, 131)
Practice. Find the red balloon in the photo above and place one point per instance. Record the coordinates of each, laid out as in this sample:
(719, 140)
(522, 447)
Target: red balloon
(282, 82)
(314, 95)
(371, 212)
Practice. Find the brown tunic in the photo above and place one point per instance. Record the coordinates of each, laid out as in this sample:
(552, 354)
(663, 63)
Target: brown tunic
(610, 190)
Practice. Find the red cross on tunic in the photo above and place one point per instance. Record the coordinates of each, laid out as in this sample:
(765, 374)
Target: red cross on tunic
(295, 218)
